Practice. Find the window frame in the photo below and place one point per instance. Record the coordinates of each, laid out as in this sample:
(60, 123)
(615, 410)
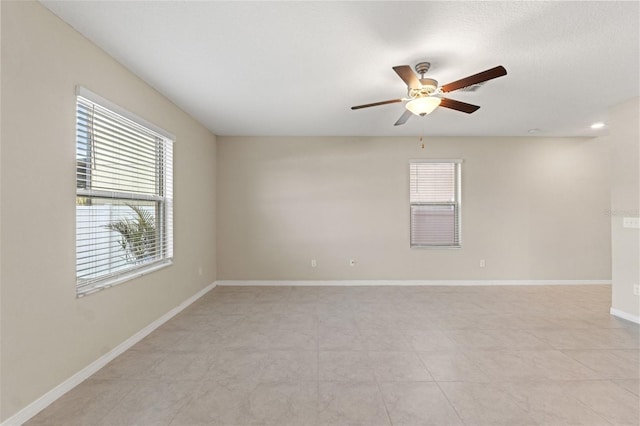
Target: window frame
(456, 204)
(163, 199)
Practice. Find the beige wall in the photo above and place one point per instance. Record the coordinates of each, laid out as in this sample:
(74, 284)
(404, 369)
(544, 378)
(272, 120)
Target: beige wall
(533, 208)
(625, 201)
(48, 334)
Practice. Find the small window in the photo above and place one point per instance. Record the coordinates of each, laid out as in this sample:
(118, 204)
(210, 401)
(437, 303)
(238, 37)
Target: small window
(124, 195)
(434, 197)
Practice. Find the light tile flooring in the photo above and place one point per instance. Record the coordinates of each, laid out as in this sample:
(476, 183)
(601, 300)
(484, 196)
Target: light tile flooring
(371, 356)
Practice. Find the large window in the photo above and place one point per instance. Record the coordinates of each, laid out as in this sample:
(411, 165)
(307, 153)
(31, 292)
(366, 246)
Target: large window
(124, 195)
(434, 197)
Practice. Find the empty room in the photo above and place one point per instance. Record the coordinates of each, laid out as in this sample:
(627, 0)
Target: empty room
(319, 213)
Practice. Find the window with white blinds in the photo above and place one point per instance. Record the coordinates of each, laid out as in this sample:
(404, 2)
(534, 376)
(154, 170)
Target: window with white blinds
(434, 197)
(124, 195)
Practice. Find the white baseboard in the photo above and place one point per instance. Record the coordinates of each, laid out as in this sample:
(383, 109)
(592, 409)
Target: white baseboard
(407, 282)
(621, 314)
(45, 400)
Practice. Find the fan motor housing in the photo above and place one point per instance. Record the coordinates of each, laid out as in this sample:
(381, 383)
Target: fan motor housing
(429, 87)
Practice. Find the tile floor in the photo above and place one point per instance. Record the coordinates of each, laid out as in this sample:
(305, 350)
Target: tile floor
(371, 356)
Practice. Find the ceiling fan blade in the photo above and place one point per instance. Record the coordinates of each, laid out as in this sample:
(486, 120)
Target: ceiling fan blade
(403, 118)
(490, 74)
(408, 76)
(458, 106)
(392, 101)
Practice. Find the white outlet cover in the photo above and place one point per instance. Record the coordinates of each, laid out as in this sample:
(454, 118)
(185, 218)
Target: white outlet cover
(631, 222)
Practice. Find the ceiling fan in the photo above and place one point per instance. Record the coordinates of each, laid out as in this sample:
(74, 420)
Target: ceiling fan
(424, 94)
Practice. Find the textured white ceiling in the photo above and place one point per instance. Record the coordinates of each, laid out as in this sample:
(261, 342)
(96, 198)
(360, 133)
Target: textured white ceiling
(295, 68)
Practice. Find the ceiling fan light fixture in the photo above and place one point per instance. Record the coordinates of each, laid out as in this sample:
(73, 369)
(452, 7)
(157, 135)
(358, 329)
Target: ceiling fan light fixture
(424, 105)
(423, 95)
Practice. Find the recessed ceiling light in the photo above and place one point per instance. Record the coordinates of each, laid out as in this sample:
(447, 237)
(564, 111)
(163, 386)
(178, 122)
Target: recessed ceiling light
(597, 126)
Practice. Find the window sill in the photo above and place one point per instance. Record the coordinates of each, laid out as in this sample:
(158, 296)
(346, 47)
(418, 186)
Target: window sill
(128, 276)
(436, 247)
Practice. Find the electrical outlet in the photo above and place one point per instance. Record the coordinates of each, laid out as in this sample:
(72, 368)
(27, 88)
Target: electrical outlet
(636, 289)
(483, 263)
(352, 262)
(314, 263)
(200, 271)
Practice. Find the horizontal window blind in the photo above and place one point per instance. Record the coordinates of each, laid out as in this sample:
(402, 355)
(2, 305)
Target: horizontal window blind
(124, 196)
(434, 196)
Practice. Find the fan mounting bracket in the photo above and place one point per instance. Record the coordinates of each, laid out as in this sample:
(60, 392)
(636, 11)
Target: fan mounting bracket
(422, 67)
